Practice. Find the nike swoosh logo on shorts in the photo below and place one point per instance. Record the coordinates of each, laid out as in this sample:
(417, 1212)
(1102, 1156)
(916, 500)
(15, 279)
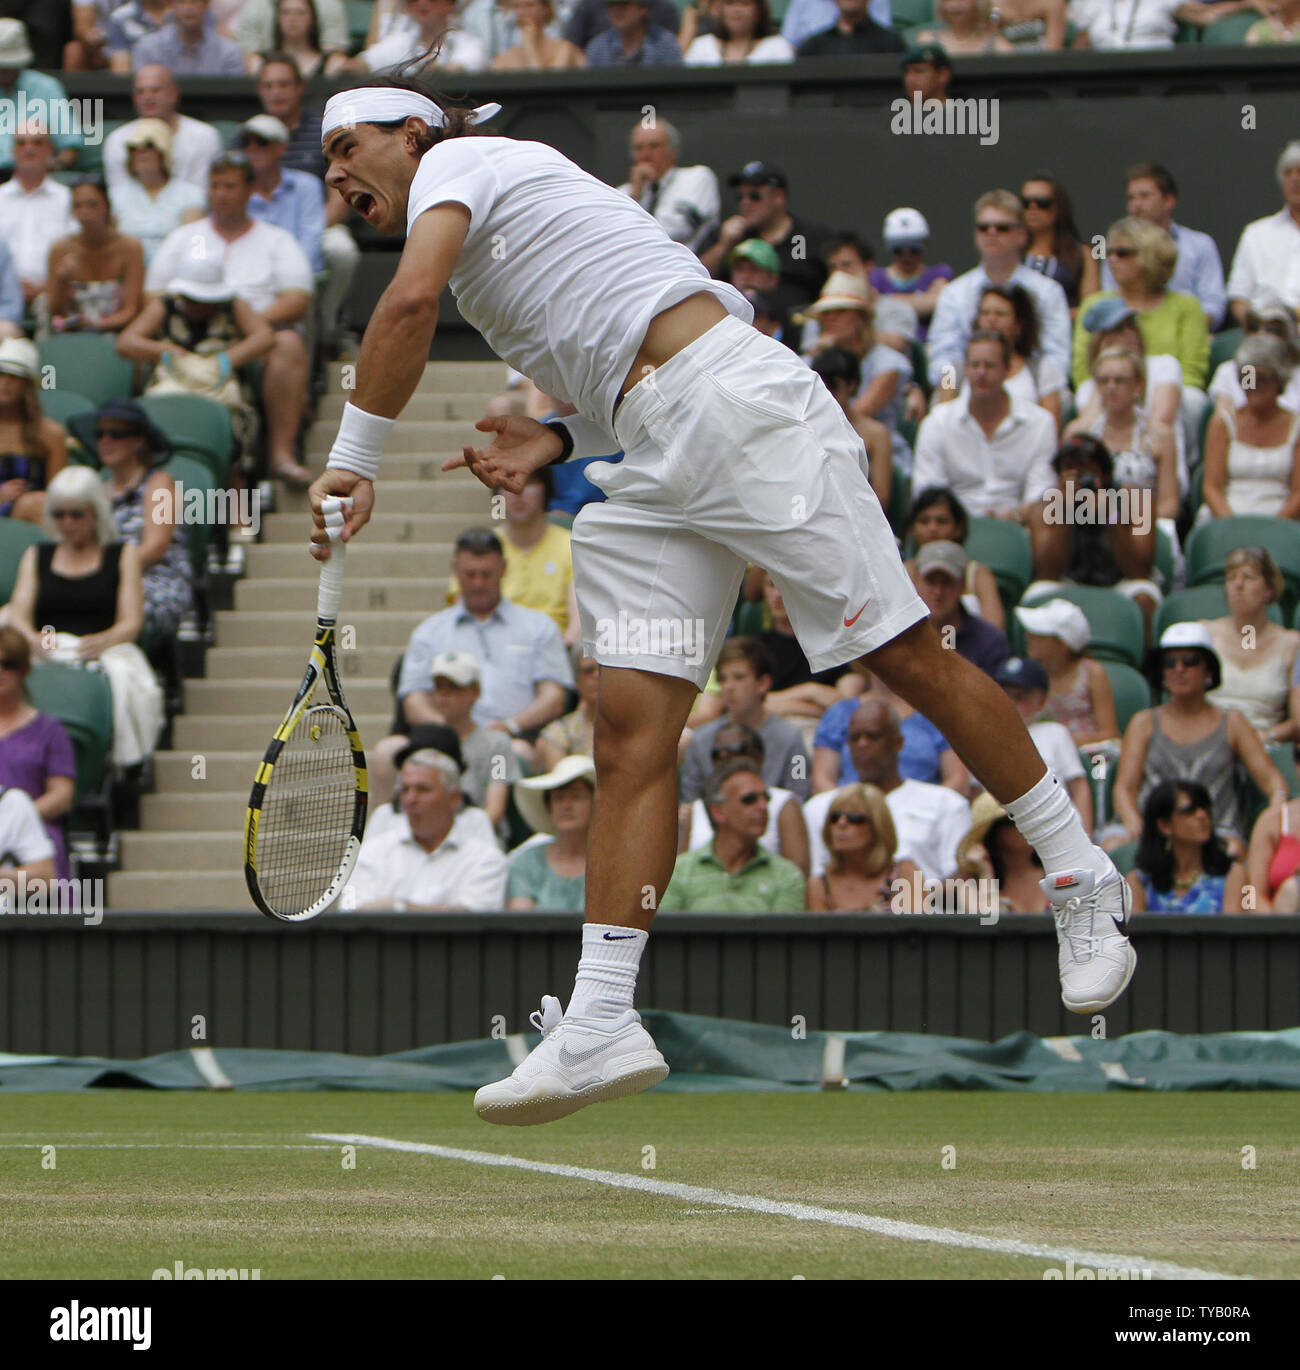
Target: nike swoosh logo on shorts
(574, 1058)
(849, 622)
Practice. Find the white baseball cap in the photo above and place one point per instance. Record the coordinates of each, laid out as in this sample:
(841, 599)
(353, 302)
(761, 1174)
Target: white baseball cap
(1058, 618)
(458, 667)
(905, 226)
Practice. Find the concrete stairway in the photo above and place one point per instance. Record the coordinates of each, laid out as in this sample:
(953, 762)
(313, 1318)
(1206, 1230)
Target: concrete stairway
(189, 851)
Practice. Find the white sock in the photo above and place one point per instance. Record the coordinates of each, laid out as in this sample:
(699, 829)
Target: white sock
(1050, 823)
(607, 970)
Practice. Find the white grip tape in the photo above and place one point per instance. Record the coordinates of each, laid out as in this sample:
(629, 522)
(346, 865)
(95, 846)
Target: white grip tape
(330, 594)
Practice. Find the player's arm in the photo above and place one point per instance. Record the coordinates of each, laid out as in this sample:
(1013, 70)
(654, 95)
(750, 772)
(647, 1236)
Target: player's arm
(393, 356)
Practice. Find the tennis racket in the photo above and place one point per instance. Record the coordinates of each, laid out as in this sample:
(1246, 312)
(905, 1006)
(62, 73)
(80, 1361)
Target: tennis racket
(307, 811)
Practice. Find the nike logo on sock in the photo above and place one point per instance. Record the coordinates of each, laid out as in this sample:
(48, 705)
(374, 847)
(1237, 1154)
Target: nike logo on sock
(619, 936)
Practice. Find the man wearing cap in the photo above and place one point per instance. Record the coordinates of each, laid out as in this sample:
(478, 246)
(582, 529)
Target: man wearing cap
(1268, 251)
(425, 860)
(927, 71)
(17, 79)
(929, 820)
(994, 451)
(35, 209)
(265, 266)
(188, 45)
(684, 199)
(1152, 195)
(735, 873)
(292, 200)
(763, 214)
(941, 579)
(633, 39)
(908, 275)
(1027, 683)
(853, 34)
(803, 18)
(1000, 238)
(194, 146)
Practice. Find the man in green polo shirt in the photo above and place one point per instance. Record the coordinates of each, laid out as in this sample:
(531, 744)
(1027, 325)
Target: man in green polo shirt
(733, 874)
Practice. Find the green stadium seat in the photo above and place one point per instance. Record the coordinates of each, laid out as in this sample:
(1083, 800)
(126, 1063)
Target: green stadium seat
(358, 12)
(82, 702)
(1118, 630)
(197, 423)
(1189, 33)
(1164, 559)
(1210, 544)
(1132, 693)
(1229, 32)
(920, 368)
(1005, 548)
(227, 130)
(15, 538)
(911, 14)
(751, 619)
(1253, 800)
(1124, 857)
(1223, 346)
(1282, 755)
(1201, 601)
(900, 500)
(193, 472)
(89, 364)
(61, 405)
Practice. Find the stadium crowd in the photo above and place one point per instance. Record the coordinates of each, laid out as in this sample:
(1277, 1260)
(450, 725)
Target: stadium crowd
(1066, 439)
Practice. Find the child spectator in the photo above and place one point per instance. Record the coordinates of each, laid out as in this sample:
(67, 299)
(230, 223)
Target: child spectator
(1079, 693)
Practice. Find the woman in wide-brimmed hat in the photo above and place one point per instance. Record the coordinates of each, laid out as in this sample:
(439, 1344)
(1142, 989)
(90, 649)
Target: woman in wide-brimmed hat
(1187, 738)
(553, 875)
(994, 850)
(33, 449)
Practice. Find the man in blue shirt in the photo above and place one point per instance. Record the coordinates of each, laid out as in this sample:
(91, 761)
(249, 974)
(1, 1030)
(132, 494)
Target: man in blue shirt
(806, 17)
(20, 88)
(12, 306)
(632, 40)
(1153, 195)
(189, 46)
(292, 200)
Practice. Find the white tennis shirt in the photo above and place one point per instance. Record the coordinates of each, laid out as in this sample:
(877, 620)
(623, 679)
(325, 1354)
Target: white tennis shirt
(560, 272)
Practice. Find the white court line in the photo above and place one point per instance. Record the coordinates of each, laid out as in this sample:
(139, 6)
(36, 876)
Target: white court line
(165, 1146)
(862, 1222)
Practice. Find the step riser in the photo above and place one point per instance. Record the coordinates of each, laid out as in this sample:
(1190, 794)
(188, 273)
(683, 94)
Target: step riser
(420, 408)
(264, 698)
(370, 629)
(366, 561)
(219, 733)
(174, 773)
(406, 526)
(422, 597)
(444, 495)
(371, 664)
(438, 378)
(189, 813)
(210, 891)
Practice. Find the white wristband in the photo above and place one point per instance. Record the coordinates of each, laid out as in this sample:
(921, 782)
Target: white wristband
(360, 442)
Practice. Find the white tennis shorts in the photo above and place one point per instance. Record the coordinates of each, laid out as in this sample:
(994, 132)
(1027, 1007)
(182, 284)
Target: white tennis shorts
(735, 452)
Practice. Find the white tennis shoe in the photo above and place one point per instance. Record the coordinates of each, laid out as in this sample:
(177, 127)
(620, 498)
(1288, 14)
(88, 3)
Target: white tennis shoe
(1095, 958)
(579, 1061)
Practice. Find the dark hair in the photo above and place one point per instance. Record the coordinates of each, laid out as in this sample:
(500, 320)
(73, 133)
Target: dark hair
(92, 179)
(721, 774)
(547, 478)
(940, 494)
(995, 851)
(753, 739)
(1152, 171)
(1082, 449)
(763, 29)
(1022, 305)
(1067, 242)
(313, 33)
(1155, 856)
(233, 161)
(990, 335)
(834, 364)
(478, 542)
(749, 650)
(457, 116)
(848, 239)
(281, 58)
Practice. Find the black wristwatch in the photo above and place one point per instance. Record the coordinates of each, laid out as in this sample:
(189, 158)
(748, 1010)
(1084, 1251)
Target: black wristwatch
(556, 426)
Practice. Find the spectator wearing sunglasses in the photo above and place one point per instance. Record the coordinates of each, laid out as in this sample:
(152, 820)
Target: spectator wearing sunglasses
(786, 833)
(1182, 865)
(908, 274)
(862, 874)
(1187, 738)
(292, 200)
(1055, 246)
(1268, 315)
(1001, 239)
(735, 873)
(36, 753)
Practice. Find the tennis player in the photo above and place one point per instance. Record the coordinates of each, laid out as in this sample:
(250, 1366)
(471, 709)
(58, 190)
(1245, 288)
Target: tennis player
(735, 453)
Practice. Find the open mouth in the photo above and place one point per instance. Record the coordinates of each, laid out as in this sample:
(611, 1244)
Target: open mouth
(363, 202)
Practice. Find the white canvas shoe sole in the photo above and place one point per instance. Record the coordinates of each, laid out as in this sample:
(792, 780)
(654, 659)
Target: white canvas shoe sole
(1094, 1002)
(548, 1097)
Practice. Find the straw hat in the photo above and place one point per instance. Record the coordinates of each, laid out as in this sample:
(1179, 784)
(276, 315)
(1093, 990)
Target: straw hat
(985, 811)
(18, 357)
(841, 291)
(530, 794)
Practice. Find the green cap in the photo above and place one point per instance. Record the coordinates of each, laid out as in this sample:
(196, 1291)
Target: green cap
(761, 253)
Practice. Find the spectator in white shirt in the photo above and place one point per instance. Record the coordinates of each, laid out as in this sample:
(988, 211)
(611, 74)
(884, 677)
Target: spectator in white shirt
(743, 33)
(195, 145)
(929, 820)
(149, 202)
(684, 199)
(25, 845)
(431, 25)
(1270, 316)
(992, 451)
(265, 266)
(1111, 25)
(419, 862)
(35, 209)
(1001, 238)
(1268, 251)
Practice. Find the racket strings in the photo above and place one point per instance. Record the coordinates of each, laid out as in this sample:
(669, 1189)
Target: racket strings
(306, 821)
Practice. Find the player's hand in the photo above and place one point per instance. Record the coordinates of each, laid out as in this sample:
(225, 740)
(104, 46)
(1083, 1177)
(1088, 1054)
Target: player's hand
(521, 447)
(340, 483)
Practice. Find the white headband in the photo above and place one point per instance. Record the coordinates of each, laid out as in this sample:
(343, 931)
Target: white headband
(383, 105)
